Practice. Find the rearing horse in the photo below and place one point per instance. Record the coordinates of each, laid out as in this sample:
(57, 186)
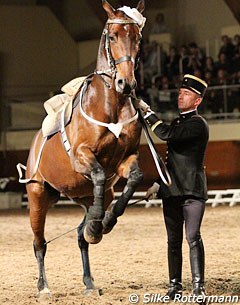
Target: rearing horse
(104, 136)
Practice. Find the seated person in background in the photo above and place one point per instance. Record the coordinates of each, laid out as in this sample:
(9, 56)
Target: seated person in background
(183, 59)
(223, 63)
(172, 62)
(227, 47)
(150, 61)
(196, 58)
(210, 95)
(166, 101)
(209, 66)
(223, 103)
(159, 25)
(236, 60)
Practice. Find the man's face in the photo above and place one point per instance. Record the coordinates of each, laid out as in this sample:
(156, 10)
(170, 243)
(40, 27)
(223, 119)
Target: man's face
(188, 100)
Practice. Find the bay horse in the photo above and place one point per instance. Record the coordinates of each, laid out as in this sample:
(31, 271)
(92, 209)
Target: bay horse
(103, 134)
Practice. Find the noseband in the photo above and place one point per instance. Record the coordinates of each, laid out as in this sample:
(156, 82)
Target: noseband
(111, 61)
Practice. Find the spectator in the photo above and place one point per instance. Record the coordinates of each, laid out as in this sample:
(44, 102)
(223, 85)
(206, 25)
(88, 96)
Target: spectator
(237, 82)
(159, 25)
(227, 47)
(209, 66)
(236, 41)
(183, 60)
(210, 95)
(236, 59)
(165, 96)
(223, 63)
(198, 73)
(195, 58)
(220, 97)
(172, 62)
(150, 63)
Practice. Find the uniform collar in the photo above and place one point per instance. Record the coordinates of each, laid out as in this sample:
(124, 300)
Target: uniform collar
(188, 114)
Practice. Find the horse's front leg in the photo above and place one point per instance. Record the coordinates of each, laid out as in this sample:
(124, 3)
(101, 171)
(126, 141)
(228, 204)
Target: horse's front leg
(93, 227)
(85, 163)
(130, 170)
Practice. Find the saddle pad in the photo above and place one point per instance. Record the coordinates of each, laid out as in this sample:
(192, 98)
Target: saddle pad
(73, 86)
(59, 103)
(54, 107)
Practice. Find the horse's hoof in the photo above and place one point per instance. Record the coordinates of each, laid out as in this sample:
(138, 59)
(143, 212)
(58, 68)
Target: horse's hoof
(44, 294)
(108, 222)
(93, 231)
(92, 291)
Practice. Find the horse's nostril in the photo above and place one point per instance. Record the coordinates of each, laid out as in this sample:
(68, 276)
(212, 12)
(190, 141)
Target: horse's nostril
(121, 83)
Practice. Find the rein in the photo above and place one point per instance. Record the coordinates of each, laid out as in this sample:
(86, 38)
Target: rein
(160, 165)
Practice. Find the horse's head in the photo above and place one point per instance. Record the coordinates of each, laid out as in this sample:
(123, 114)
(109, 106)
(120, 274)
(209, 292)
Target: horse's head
(122, 42)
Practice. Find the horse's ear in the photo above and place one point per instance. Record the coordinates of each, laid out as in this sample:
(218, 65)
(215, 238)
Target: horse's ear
(141, 6)
(109, 9)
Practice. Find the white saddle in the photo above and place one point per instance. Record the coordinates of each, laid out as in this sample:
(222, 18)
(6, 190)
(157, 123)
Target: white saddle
(58, 104)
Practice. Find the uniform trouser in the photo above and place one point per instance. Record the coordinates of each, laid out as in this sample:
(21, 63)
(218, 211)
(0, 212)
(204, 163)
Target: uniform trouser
(177, 211)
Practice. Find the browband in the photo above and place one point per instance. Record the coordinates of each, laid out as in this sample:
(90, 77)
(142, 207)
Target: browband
(121, 21)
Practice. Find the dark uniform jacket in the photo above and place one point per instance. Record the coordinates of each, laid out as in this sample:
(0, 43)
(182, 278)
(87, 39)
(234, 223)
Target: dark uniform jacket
(187, 138)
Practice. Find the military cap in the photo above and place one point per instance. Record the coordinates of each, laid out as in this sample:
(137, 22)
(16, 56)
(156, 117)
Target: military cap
(194, 84)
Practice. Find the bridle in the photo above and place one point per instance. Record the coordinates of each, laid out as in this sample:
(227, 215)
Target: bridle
(112, 63)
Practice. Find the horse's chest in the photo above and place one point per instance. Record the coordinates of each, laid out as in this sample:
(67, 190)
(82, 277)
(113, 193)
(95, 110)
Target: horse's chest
(113, 147)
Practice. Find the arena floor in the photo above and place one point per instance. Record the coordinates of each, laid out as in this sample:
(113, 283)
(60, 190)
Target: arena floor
(131, 259)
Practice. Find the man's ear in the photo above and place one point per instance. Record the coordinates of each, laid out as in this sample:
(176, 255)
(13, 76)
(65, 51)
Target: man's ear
(198, 101)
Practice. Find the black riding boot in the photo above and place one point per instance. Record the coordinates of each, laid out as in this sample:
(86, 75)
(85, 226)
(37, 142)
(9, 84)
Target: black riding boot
(175, 271)
(197, 268)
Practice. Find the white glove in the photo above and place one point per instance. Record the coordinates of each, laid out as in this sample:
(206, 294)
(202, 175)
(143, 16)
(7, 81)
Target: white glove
(140, 104)
(152, 191)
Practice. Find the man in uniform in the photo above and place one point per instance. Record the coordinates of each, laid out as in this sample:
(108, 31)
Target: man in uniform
(184, 200)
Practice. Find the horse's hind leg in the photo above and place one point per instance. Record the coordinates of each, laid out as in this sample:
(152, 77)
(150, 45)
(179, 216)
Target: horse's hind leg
(40, 197)
(84, 245)
(134, 177)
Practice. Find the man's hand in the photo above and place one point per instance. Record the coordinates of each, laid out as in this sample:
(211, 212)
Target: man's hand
(140, 104)
(152, 191)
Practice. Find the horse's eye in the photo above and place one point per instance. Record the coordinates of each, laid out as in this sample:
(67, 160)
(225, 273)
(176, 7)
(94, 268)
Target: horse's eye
(112, 38)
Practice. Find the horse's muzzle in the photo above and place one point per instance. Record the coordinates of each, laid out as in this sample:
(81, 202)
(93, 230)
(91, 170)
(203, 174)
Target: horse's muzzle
(124, 86)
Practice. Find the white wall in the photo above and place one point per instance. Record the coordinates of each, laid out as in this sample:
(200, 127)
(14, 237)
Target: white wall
(87, 55)
(80, 20)
(37, 54)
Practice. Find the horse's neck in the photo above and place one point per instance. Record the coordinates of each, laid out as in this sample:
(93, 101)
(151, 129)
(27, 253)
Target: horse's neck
(106, 104)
